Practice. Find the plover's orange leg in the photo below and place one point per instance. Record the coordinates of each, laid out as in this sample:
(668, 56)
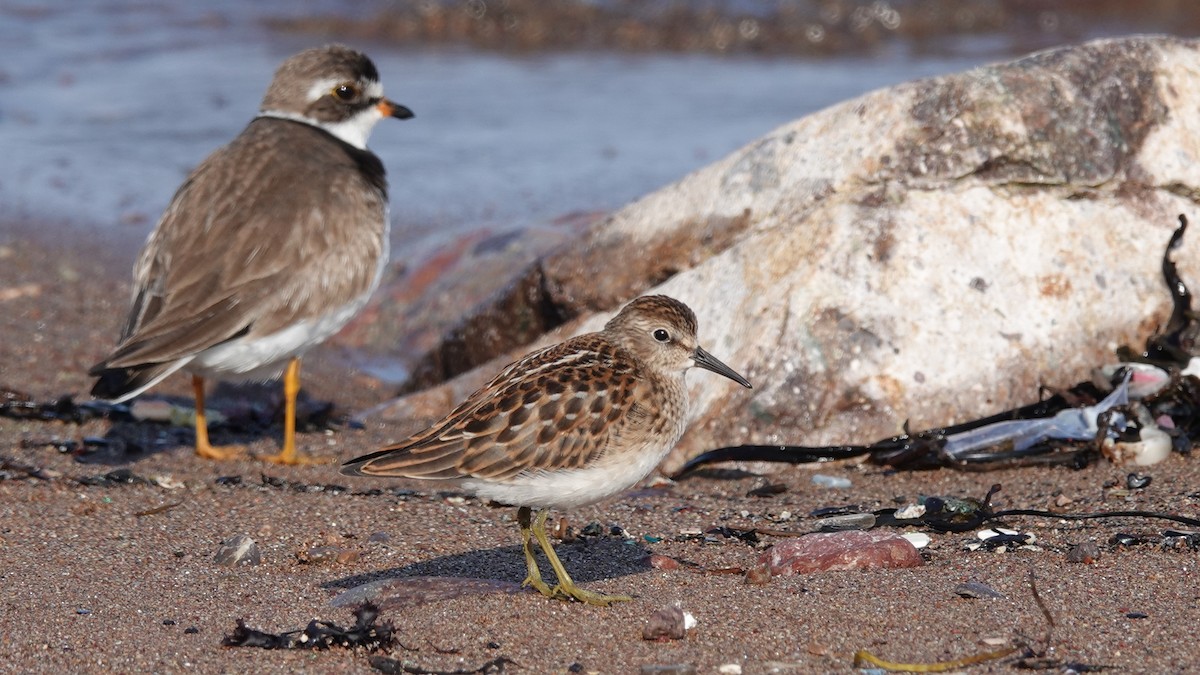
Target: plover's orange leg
(203, 447)
(566, 589)
(291, 389)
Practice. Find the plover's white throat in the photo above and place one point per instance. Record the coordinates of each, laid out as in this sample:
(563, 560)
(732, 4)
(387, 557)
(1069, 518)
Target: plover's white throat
(269, 247)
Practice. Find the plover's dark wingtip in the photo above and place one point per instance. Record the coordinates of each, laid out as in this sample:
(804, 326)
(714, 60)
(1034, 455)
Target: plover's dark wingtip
(113, 383)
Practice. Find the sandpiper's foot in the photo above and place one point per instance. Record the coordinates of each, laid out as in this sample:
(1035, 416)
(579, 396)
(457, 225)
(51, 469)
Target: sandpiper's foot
(573, 592)
(566, 588)
(538, 585)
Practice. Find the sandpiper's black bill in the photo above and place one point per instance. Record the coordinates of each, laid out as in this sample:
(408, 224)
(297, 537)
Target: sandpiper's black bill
(709, 362)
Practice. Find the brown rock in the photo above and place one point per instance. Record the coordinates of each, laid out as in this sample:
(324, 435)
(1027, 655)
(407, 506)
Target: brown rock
(853, 549)
(662, 562)
(757, 576)
(1087, 552)
(665, 624)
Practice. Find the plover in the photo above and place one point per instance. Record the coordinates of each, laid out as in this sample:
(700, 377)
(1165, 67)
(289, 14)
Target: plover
(269, 247)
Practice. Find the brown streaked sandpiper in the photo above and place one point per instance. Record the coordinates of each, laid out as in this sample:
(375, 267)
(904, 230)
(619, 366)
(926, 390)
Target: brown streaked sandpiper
(565, 426)
(268, 248)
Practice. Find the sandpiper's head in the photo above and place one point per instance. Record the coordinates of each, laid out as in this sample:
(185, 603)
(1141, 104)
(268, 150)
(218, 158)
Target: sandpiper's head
(661, 331)
(332, 87)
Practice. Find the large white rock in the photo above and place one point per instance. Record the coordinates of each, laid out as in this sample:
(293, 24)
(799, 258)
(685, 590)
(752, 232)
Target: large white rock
(932, 252)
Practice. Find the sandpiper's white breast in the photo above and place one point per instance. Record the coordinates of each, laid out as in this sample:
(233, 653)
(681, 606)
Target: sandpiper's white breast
(568, 488)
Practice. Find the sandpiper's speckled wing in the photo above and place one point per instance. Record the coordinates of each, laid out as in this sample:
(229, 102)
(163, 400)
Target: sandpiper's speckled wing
(265, 257)
(569, 404)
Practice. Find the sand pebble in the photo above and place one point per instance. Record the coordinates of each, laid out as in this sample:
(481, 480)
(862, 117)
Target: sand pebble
(667, 623)
(849, 521)
(1087, 552)
(239, 550)
(830, 481)
(669, 669)
(977, 589)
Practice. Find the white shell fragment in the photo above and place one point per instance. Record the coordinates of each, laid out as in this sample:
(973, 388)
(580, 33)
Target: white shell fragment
(990, 533)
(1153, 444)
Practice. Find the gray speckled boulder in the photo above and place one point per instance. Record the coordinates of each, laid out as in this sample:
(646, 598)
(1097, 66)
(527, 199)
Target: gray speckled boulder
(930, 252)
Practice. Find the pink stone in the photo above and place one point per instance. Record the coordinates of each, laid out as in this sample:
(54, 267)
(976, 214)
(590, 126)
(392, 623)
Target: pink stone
(853, 549)
(662, 562)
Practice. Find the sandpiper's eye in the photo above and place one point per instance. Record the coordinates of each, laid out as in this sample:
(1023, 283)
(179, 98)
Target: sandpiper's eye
(662, 335)
(346, 91)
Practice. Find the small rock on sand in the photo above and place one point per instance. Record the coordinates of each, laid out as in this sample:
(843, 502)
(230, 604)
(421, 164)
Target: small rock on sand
(852, 549)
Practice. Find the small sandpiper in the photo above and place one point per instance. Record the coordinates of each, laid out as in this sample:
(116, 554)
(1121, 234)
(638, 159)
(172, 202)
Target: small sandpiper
(268, 248)
(565, 426)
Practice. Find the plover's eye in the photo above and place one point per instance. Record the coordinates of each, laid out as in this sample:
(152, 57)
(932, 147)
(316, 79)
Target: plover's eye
(346, 91)
(662, 335)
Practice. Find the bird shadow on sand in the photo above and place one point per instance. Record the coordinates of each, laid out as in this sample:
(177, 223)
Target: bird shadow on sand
(498, 570)
(239, 414)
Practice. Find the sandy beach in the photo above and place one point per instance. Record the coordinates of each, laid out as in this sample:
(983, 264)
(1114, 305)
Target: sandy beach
(103, 576)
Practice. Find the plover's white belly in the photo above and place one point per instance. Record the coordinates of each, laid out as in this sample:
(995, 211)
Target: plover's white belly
(569, 488)
(263, 358)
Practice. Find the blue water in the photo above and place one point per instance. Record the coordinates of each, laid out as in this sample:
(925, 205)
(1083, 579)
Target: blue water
(108, 105)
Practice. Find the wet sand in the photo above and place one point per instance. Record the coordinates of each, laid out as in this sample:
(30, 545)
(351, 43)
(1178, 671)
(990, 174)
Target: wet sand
(89, 585)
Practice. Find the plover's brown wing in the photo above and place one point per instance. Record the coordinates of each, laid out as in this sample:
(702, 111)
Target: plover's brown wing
(555, 409)
(235, 255)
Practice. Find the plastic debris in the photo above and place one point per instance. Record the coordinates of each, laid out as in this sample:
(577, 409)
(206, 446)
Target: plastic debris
(1152, 446)
(1071, 424)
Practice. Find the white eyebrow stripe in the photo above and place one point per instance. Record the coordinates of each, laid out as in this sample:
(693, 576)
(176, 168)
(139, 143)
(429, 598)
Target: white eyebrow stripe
(322, 87)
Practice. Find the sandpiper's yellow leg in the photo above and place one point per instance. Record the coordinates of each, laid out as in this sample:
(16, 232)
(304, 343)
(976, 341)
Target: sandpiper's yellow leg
(567, 588)
(291, 389)
(534, 577)
(203, 447)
